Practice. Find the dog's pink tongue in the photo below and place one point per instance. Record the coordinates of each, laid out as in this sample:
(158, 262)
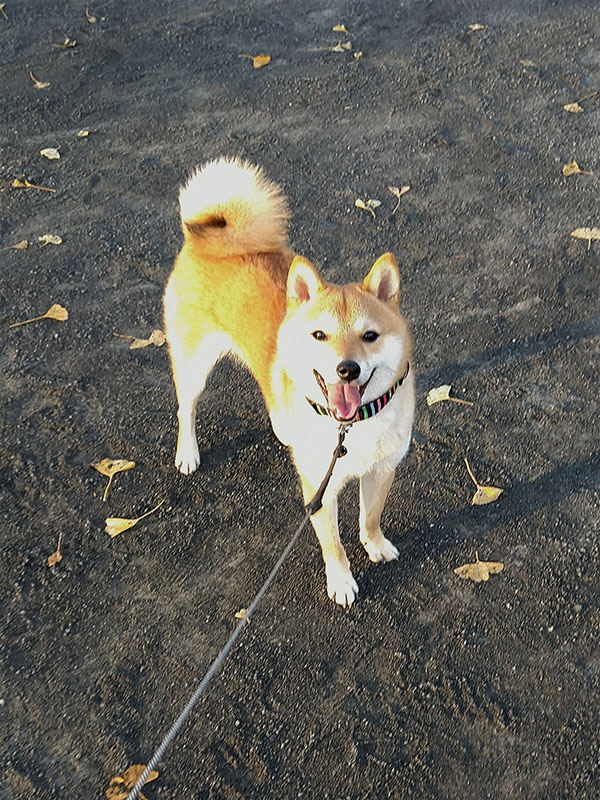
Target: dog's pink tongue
(343, 399)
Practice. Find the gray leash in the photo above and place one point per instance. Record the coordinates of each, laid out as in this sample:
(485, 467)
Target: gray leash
(311, 508)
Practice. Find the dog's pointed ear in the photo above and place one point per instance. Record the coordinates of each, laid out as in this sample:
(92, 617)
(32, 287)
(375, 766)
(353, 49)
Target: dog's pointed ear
(383, 280)
(303, 281)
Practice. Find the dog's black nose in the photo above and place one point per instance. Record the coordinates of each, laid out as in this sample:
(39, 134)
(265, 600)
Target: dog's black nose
(348, 370)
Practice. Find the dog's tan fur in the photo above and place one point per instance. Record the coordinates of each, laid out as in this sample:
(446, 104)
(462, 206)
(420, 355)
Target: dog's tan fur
(237, 288)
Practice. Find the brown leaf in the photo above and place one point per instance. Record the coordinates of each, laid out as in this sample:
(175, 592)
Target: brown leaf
(157, 338)
(480, 570)
(120, 786)
(50, 152)
(38, 84)
(110, 467)
(22, 245)
(573, 108)
(573, 168)
(56, 312)
(116, 525)
(56, 557)
(484, 494)
(441, 393)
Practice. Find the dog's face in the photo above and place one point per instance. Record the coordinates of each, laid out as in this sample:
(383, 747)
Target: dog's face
(344, 345)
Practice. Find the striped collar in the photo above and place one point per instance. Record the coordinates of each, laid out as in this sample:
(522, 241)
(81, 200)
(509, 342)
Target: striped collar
(368, 410)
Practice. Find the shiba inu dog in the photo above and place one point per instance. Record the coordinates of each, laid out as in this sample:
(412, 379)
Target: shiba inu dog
(322, 354)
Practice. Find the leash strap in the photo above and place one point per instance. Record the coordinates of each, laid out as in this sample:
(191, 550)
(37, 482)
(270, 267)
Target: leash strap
(311, 508)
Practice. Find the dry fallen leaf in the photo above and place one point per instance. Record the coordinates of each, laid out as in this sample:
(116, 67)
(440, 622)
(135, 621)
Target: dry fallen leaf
(2, 11)
(574, 108)
(369, 205)
(49, 238)
(258, 61)
(38, 84)
(116, 525)
(341, 47)
(56, 312)
(121, 785)
(50, 152)
(110, 467)
(484, 494)
(525, 62)
(241, 613)
(475, 27)
(83, 133)
(398, 191)
(56, 556)
(480, 570)
(91, 18)
(358, 55)
(67, 44)
(22, 245)
(340, 29)
(588, 234)
(157, 338)
(25, 184)
(441, 393)
(573, 168)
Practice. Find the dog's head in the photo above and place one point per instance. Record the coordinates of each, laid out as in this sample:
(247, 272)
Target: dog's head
(345, 344)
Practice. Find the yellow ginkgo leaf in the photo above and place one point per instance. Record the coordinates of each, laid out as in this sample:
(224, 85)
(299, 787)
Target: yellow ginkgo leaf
(56, 557)
(83, 133)
(25, 184)
(573, 108)
(110, 467)
(120, 786)
(475, 27)
(116, 525)
(589, 234)
(398, 191)
(573, 168)
(368, 205)
(50, 152)
(484, 494)
(38, 84)
(340, 29)
(55, 311)
(342, 47)
(157, 338)
(441, 393)
(480, 570)
(261, 60)
(49, 238)
(22, 245)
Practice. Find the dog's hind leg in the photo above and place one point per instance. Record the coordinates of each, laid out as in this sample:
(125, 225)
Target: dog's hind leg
(190, 374)
(374, 488)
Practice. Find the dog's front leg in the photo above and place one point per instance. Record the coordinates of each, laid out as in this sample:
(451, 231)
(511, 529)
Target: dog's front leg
(374, 488)
(341, 586)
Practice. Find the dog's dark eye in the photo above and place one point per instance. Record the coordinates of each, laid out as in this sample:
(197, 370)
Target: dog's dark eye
(319, 336)
(370, 336)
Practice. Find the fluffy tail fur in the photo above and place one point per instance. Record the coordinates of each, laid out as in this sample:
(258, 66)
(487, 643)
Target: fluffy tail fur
(230, 208)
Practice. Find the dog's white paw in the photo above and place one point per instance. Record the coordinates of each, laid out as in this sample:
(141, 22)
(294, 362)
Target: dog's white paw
(341, 586)
(381, 550)
(187, 458)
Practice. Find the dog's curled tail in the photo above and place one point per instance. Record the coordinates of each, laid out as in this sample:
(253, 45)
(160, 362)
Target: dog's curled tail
(230, 208)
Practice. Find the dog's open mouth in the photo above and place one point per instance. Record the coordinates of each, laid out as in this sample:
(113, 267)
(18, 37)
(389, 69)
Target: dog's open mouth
(343, 399)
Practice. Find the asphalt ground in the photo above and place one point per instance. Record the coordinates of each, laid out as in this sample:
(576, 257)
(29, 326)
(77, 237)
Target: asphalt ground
(430, 686)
